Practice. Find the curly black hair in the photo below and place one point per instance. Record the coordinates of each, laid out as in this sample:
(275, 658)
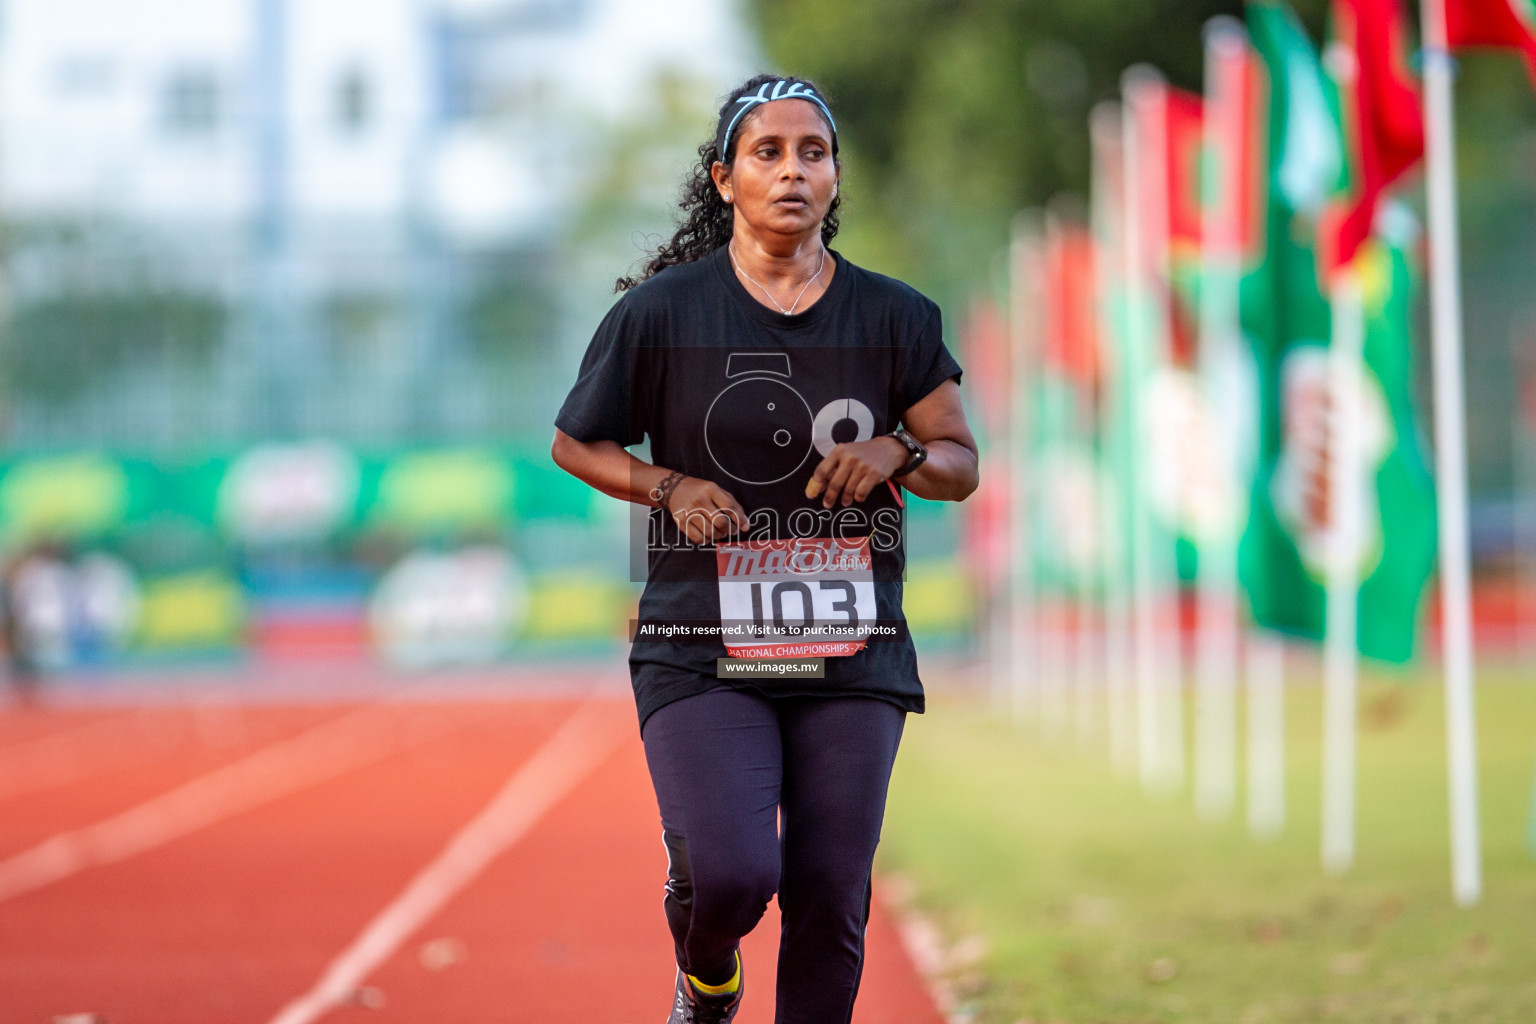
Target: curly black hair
(706, 224)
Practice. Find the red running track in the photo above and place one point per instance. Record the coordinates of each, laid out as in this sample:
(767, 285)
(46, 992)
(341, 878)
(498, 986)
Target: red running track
(230, 899)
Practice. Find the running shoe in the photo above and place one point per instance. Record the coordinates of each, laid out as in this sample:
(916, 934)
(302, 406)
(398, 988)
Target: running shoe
(690, 1007)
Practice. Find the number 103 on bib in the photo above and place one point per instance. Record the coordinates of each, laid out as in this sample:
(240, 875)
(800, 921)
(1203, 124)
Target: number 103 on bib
(796, 598)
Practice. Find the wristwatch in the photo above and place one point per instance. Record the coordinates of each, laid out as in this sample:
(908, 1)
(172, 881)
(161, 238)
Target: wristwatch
(916, 453)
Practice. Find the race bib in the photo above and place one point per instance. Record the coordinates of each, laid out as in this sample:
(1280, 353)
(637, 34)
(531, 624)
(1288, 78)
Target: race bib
(803, 598)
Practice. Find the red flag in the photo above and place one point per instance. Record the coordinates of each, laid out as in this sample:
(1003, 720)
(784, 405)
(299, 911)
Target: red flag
(1189, 189)
(1071, 335)
(1500, 23)
(1186, 190)
(1383, 118)
(1169, 126)
(1240, 97)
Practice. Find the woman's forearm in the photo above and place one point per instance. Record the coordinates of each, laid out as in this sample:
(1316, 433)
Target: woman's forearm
(607, 466)
(705, 512)
(949, 474)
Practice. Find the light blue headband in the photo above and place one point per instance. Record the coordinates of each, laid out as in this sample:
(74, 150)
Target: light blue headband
(783, 89)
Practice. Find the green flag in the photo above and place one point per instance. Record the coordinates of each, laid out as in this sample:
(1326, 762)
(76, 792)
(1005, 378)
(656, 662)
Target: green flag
(1287, 322)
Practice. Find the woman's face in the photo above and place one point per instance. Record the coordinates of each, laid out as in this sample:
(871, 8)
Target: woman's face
(784, 176)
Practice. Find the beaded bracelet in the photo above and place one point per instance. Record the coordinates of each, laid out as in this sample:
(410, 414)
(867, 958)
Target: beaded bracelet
(661, 494)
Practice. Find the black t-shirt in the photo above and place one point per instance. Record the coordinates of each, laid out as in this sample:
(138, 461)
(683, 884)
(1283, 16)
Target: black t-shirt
(733, 392)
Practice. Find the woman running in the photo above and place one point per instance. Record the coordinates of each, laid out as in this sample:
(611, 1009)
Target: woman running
(786, 393)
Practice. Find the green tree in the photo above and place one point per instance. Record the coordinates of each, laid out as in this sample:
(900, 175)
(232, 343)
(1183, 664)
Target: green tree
(956, 114)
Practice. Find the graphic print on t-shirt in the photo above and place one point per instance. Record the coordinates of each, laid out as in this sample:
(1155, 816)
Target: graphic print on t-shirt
(760, 400)
(757, 422)
(832, 423)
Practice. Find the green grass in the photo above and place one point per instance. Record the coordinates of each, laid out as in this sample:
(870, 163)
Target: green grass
(1098, 903)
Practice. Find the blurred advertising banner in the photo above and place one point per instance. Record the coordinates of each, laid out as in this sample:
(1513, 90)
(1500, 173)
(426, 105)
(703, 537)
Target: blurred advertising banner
(423, 556)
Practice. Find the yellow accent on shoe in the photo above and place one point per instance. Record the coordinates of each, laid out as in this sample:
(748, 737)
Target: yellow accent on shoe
(723, 989)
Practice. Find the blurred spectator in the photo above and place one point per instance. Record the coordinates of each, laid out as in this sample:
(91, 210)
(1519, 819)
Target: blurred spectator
(36, 585)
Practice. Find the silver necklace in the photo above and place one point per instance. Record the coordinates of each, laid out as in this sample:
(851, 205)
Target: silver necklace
(730, 251)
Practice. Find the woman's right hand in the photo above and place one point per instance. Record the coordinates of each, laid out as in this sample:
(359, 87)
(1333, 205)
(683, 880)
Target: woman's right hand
(706, 512)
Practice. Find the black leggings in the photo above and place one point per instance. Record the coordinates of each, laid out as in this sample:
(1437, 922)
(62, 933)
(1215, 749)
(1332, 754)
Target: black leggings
(730, 768)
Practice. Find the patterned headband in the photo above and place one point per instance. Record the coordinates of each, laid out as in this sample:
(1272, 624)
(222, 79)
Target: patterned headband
(783, 89)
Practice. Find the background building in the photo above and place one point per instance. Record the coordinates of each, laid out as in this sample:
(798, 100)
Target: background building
(245, 218)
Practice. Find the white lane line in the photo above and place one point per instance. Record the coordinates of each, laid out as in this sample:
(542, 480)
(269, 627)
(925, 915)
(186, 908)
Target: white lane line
(96, 748)
(57, 757)
(570, 755)
(316, 755)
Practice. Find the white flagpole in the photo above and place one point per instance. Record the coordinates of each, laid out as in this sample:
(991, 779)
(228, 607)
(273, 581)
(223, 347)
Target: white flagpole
(1340, 643)
(1450, 457)
(1266, 734)
(1105, 132)
(1075, 609)
(1086, 701)
(1023, 306)
(1170, 652)
(1054, 669)
(1220, 332)
(1159, 690)
(1143, 595)
(1054, 674)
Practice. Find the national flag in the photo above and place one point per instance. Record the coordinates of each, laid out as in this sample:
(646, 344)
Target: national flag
(1186, 167)
(1187, 192)
(1287, 320)
(1189, 491)
(1071, 338)
(1065, 408)
(1164, 407)
(1494, 23)
(1383, 118)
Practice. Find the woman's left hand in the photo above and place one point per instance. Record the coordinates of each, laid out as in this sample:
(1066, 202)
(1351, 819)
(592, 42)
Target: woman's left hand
(851, 470)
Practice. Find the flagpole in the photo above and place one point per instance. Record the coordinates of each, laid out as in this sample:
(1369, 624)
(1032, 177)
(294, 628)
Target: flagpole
(1450, 452)
(1144, 657)
(1024, 640)
(1217, 654)
(1084, 664)
(1104, 127)
(1170, 634)
(1085, 667)
(1340, 642)
(1063, 215)
(1266, 734)
(1055, 677)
